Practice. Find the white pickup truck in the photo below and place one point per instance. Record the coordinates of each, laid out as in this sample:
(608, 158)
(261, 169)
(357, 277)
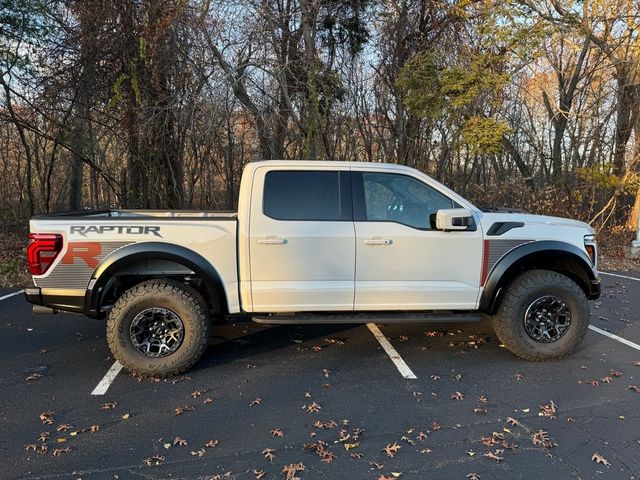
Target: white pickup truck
(316, 242)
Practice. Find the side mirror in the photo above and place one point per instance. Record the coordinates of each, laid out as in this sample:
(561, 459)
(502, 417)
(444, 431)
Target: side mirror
(453, 219)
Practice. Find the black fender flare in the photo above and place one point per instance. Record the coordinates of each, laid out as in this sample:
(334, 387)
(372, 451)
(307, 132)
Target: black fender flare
(146, 251)
(547, 249)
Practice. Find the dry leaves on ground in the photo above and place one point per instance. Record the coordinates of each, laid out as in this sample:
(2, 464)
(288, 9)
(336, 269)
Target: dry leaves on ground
(181, 410)
(155, 460)
(291, 470)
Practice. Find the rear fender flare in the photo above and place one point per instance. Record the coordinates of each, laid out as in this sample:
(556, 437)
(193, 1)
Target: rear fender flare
(125, 256)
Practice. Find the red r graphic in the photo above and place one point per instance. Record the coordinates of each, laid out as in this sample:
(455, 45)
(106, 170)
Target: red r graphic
(86, 251)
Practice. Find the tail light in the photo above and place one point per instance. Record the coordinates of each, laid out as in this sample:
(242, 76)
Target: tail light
(42, 251)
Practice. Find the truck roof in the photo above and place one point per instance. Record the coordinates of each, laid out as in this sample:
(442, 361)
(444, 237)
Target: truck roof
(326, 163)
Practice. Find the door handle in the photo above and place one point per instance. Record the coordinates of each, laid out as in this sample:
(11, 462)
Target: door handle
(378, 241)
(272, 241)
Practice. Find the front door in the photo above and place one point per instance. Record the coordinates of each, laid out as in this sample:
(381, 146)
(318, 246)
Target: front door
(402, 262)
(301, 241)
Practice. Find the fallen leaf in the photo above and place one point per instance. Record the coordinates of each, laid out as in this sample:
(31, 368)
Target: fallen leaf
(257, 401)
(64, 427)
(313, 408)
(199, 452)
(291, 470)
(269, 454)
(108, 405)
(541, 439)
(479, 410)
(497, 455)
(457, 396)
(47, 418)
(196, 393)
(435, 426)
(258, 473)
(513, 421)
(518, 377)
(59, 451)
(325, 425)
(155, 460)
(421, 436)
(634, 388)
(377, 466)
(212, 444)
(179, 441)
(277, 433)
(392, 449)
(473, 476)
(34, 376)
(357, 456)
(548, 410)
(181, 410)
(327, 457)
(600, 459)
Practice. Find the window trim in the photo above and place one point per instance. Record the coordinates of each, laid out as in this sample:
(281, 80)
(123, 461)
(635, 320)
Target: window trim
(345, 203)
(360, 209)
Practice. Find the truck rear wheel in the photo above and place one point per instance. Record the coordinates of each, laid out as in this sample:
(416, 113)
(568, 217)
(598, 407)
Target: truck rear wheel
(544, 315)
(159, 327)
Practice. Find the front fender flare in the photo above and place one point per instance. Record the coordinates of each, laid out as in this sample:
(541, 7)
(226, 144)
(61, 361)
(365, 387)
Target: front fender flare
(545, 250)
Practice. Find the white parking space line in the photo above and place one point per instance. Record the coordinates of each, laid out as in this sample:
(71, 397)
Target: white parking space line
(108, 378)
(402, 367)
(4, 297)
(621, 276)
(615, 337)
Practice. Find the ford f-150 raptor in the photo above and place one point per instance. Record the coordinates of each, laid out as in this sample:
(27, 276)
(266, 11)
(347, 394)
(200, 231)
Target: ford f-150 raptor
(316, 242)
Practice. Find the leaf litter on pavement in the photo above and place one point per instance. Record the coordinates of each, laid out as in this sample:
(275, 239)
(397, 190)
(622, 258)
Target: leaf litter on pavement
(332, 441)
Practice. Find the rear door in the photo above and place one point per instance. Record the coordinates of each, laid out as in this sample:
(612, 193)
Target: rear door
(403, 263)
(301, 240)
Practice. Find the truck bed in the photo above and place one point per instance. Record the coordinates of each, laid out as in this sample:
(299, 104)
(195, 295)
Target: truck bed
(91, 238)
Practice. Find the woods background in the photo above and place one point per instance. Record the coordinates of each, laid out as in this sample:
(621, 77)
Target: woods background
(532, 104)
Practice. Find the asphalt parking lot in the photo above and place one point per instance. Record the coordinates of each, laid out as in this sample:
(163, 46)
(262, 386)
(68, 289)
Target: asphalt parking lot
(320, 401)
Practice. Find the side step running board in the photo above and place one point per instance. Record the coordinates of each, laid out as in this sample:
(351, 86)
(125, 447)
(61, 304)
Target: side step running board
(375, 317)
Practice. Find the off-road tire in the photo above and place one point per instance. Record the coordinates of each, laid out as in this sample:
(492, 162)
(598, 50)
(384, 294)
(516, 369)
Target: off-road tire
(509, 323)
(185, 301)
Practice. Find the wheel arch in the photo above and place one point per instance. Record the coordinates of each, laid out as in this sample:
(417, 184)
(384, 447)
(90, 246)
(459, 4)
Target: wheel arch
(127, 256)
(556, 256)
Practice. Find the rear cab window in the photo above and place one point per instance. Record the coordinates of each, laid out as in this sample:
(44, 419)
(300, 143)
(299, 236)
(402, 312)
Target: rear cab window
(307, 195)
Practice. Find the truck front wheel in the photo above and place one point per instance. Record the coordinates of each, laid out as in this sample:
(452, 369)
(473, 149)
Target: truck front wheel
(159, 327)
(543, 315)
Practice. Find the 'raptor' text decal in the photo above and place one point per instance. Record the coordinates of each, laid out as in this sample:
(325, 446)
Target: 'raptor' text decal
(118, 229)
